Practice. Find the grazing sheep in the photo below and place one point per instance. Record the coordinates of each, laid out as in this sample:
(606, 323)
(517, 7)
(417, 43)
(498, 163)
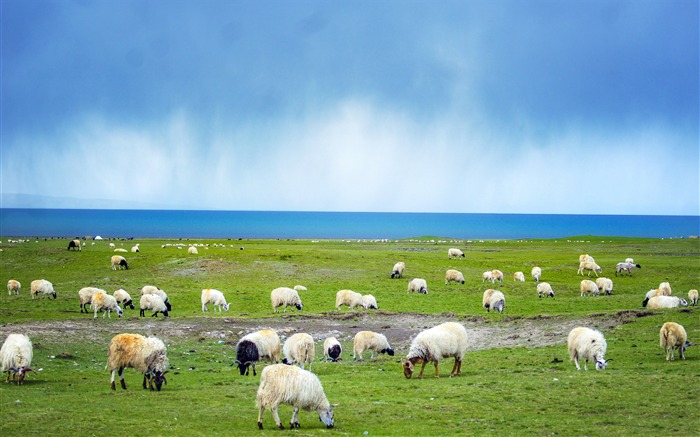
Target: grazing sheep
(102, 301)
(192, 250)
(397, 272)
(658, 302)
(299, 348)
(693, 297)
(589, 345)
(487, 276)
(111, 245)
(349, 298)
(119, 261)
(369, 302)
(75, 245)
(519, 277)
(13, 286)
(123, 298)
(151, 289)
(626, 267)
(372, 341)
(605, 285)
(419, 285)
(544, 290)
(214, 297)
(148, 355)
(85, 297)
(536, 273)
(332, 349)
(294, 386)
(16, 356)
(256, 346)
(154, 303)
(672, 336)
(454, 253)
(496, 275)
(42, 286)
(494, 300)
(434, 344)
(454, 276)
(591, 267)
(589, 287)
(284, 296)
(135, 248)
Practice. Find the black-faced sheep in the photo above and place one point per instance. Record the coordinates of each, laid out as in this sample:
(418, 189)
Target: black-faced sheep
(136, 248)
(369, 302)
(454, 253)
(85, 297)
(434, 344)
(214, 297)
(75, 245)
(151, 289)
(148, 355)
(256, 346)
(123, 298)
(658, 302)
(42, 286)
(372, 341)
(673, 336)
(16, 357)
(284, 297)
(119, 262)
(397, 272)
(452, 275)
(332, 349)
(544, 290)
(13, 286)
(626, 267)
(417, 284)
(589, 345)
(299, 348)
(350, 298)
(605, 285)
(494, 300)
(154, 303)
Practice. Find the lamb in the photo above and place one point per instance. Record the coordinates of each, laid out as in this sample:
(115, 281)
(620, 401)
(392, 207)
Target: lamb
(16, 356)
(192, 250)
(584, 257)
(154, 303)
(591, 267)
(299, 348)
(658, 302)
(332, 349)
(135, 248)
(372, 341)
(487, 276)
(494, 300)
(13, 286)
(123, 298)
(256, 346)
(369, 302)
(148, 355)
(452, 275)
(42, 286)
(214, 297)
(544, 290)
(296, 387)
(626, 267)
(589, 287)
(454, 253)
(75, 245)
(119, 261)
(589, 345)
(536, 273)
(349, 298)
(496, 275)
(666, 288)
(693, 297)
(102, 301)
(672, 336)
(419, 285)
(85, 297)
(434, 344)
(397, 272)
(284, 296)
(151, 289)
(519, 277)
(605, 285)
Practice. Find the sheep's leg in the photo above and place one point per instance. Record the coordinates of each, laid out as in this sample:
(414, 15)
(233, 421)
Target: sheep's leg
(454, 368)
(294, 422)
(420, 375)
(578, 367)
(260, 415)
(276, 416)
(114, 371)
(437, 374)
(681, 351)
(121, 378)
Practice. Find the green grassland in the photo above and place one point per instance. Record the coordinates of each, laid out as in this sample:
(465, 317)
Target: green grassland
(503, 390)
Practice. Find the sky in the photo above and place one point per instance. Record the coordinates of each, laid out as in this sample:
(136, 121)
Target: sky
(477, 106)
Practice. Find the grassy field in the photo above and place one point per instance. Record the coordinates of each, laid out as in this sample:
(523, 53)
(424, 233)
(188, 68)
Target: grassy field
(522, 385)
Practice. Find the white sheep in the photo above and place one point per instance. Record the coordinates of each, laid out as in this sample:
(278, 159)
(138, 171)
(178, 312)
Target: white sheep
(284, 296)
(519, 277)
(625, 267)
(369, 302)
(655, 292)
(419, 285)
(666, 288)
(294, 386)
(85, 297)
(693, 297)
(123, 298)
(536, 273)
(589, 345)
(544, 290)
(350, 298)
(589, 287)
(452, 275)
(42, 286)
(432, 345)
(13, 286)
(494, 300)
(151, 289)
(16, 357)
(154, 303)
(496, 275)
(372, 341)
(584, 257)
(299, 348)
(148, 355)
(111, 245)
(590, 267)
(255, 346)
(135, 249)
(629, 260)
(658, 302)
(672, 336)
(397, 272)
(101, 301)
(192, 250)
(119, 261)
(332, 349)
(487, 276)
(454, 253)
(214, 297)
(605, 285)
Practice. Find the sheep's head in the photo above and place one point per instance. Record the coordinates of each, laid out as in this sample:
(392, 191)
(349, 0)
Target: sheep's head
(167, 305)
(325, 415)
(244, 368)
(226, 305)
(19, 373)
(600, 364)
(389, 351)
(683, 302)
(54, 296)
(159, 379)
(423, 290)
(408, 367)
(129, 304)
(499, 306)
(299, 306)
(119, 311)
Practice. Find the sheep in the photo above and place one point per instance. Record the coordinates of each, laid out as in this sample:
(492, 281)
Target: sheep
(350, 298)
(591, 267)
(454, 253)
(42, 286)
(452, 275)
(487, 276)
(135, 248)
(672, 336)
(111, 245)
(589, 345)
(397, 272)
(123, 298)
(256, 346)
(296, 387)
(154, 303)
(536, 273)
(85, 297)
(284, 296)
(655, 292)
(434, 344)
(629, 260)
(151, 289)
(369, 302)
(666, 288)
(658, 302)
(626, 267)
(75, 245)
(372, 341)
(496, 275)
(584, 257)
(519, 277)
(332, 349)
(13, 286)
(587, 286)
(214, 297)
(16, 356)
(417, 284)
(544, 290)
(494, 300)
(102, 301)
(120, 262)
(299, 348)
(605, 285)
(192, 250)
(148, 355)
(121, 250)
(693, 297)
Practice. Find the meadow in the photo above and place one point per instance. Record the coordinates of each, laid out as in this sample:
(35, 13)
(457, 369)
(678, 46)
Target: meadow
(516, 378)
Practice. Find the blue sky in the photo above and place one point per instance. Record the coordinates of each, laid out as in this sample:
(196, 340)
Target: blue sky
(420, 106)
